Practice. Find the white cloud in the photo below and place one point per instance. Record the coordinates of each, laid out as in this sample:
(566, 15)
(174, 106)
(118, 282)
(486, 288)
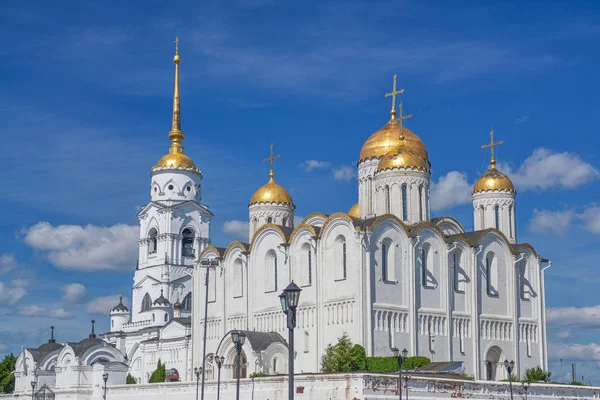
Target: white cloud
(563, 335)
(581, 317)
(7, 262)
(73, 293)
(591, 219)
(522, 119)
(236, 228)
(575, 351)
(547, 170)
(309, 165)
(451, 190)
(344, 173)
(298, 220)
(85, 248)
(20, 282)
(37, 311)
(103, 305)
(10, 295)
(552, 222)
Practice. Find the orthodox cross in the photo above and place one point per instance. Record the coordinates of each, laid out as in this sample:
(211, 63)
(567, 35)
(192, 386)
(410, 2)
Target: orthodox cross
(270, 160)
(177, 45)
(402, 118)
(393, 94)
(491, 145)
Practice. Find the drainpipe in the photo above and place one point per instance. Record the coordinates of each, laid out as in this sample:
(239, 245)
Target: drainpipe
(544, 344)
(516, 315)
(475, 319)
(412, 301)
(450, 301)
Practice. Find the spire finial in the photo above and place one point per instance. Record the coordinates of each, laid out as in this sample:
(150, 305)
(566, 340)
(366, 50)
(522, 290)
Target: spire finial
(492, 145)
(52, 340)
(120, 299)
(393, 94)
(271, 159)
(93, 334)
(401, 119)
(176, 135)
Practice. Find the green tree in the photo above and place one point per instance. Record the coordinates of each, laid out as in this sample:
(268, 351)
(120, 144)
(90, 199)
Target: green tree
(338, 357)
(160, 374)
(415, 362)
(130, 380)
(7, 378)
(536, 374)
(358, 358)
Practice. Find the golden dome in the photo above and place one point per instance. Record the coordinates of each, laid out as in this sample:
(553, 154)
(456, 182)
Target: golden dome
(403, 157)
(271, 192)
(494, 180)
(174, 161)
(387, 139)
(353, 212)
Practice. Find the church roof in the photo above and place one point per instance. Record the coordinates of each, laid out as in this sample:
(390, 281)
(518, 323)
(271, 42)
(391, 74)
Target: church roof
(261, 340)
(120, 307)
(81, 347)
(162, 300)
(45, 349)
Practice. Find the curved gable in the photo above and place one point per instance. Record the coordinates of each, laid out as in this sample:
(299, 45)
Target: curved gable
(449, 225)
(311, 230)
(265, 230)
(216, 251)
(334, 220)
(315, 219)
(234, 247)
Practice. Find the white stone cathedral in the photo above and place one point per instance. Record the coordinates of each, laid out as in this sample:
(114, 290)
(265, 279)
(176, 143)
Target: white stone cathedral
(385, 273)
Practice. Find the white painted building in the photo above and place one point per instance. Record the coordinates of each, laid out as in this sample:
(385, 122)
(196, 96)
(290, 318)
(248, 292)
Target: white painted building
(385, 273)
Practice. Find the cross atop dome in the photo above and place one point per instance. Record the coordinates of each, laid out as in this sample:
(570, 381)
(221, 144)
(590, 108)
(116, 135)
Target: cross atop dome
(492, 145)
(393, 95)
(271, 159)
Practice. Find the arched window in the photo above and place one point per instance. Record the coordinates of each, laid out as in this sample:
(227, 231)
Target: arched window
(497, 216)
(460, 276)
(421, 216)
(243, 366)
(384, 256)
(427, 277)
(274, 365)
(271, 271)
(510, 222)
(112, 323)
(491, 271)
(153, 318)
(187, 243)
(369, 196)
(152, 241)
(269, 220)
(387, 261)
(304, 269)
(146, 303)
(186, 304)
(166, 317)
(238, 278)
(404, 204)
(481, 218)
(306, 342)
(386, 192)
(283, 222)
(340, 259)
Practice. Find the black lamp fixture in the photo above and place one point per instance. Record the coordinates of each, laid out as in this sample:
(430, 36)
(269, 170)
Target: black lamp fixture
(510, 366)
(400, 357)
(104, 375)
(289, 302)
(238, 338)
(220, 361)
(197, 372)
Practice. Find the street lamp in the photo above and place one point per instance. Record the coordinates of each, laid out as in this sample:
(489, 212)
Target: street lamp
(289, 302)
(197, 372)
(400, 357)
(509, 368)
(205, 264)
(105, 378)
(32, 389)
(526, 388)
(219, 361)
(238, 338)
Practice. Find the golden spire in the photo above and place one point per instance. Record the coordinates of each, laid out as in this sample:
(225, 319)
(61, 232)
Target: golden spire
(402, 118)
(393, 94)
(271, 159)
(176, 135)
(491, 145)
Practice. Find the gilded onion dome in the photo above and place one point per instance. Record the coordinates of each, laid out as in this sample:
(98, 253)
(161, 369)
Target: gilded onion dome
(403, 157)
(388, 138)
(175, 159)
(271, 192)
(493, 180)
(353, 211)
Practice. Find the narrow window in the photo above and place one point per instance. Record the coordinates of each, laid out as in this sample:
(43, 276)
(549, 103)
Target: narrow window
(153, 318)
(309, 265)
(186, 304)
(384, 256)
(492, 273)
(152, 241)
(461, 337)
(271, 271)
(306, 341)
(274, 364)
(421, 216)
(269, 220)
(404, 205)
(166, 317)
(481, 218)
(238, 278)
(460, 278)
(112, 324)
(284, 221)
(339, 258)
(187, 243)
(369, 196)
(275, 270)
(424, 266)
(344, 248)
(510, 222)
(528, 340)
(146, 303)
(497, 216)
(387, 199)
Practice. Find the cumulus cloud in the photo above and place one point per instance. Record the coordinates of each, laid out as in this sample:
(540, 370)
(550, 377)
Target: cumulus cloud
(451, 190)
(553, 222)
(73, 293)
(563, 335)
(7, 262)
(591, 219)
(37, 311)
(581, 317)
(309, 165)
(522, 119)
(236, 228)
(10, 295)
(344, 173)
(103, 305)
(545, 170)
(20, 282)
(575, 351)
(85, 248)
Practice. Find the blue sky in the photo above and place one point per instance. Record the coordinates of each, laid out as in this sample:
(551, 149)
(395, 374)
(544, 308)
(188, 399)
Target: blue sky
(85, 101)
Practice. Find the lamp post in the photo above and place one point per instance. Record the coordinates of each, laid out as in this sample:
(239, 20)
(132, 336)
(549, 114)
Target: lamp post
(289, 302)
(238, 338)
(105, 378)
(526, 388)
(220, 361)
(32, 389)
(406, 383)
(197, 372)
(205, 264)
(509, 368)
(400, 357)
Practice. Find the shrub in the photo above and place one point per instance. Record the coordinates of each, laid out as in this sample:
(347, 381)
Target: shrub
(536, 374)
(130, 380)
(338, 358)
(257, 374)
(390, 364)
(358, 358)
(415, 362)
(160, 374)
